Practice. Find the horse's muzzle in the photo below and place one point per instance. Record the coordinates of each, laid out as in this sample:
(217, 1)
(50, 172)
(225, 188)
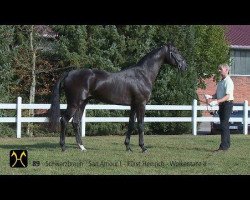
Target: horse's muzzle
(183, 65)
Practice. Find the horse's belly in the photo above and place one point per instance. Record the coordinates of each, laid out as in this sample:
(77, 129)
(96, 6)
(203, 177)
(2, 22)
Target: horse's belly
(112, 97)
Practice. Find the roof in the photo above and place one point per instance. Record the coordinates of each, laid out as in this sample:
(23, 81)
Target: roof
(238, 36)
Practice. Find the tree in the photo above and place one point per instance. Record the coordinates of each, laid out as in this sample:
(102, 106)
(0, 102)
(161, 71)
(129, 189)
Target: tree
(6, 54)
(30, 45)
(33, 80)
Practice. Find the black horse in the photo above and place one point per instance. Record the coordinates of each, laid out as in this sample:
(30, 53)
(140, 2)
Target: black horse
(131, 86)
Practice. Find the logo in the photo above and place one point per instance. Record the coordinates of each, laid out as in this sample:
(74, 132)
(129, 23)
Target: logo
(18, 158)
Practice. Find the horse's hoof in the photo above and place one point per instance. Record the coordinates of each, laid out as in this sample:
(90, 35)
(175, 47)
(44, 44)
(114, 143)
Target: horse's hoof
(129, 150)
(82, 148)
(144, 150)
(63, 149)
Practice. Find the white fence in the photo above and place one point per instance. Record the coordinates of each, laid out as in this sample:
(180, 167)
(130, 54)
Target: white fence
(193, 119)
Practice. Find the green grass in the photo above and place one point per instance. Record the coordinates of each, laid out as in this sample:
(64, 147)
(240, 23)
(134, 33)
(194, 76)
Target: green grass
(106, 155)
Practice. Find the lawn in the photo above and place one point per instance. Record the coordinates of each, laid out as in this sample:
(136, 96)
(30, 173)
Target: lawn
(106, 155)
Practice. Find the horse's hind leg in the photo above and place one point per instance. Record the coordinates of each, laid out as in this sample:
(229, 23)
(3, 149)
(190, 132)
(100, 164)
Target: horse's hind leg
(64, 121)
(76, 125)
(131, 127)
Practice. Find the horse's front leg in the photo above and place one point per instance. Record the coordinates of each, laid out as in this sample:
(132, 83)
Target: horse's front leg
(131, 127)
(140, 112)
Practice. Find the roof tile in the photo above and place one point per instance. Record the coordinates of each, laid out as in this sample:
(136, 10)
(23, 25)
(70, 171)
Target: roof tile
(238, 34)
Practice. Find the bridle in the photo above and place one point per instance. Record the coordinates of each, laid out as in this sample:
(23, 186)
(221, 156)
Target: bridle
(171, 54)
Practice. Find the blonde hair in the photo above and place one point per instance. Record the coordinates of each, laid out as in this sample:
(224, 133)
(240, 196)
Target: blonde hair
(224, 65)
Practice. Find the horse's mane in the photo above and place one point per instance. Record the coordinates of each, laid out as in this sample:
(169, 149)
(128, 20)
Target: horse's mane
(128, 67)
(147, 56)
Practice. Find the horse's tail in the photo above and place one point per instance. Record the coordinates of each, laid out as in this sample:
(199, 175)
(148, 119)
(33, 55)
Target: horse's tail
(54, 112)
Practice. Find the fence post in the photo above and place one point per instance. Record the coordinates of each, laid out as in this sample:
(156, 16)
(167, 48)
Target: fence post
(194, 117)
(18, 117)
(245, 118)
(83, 124)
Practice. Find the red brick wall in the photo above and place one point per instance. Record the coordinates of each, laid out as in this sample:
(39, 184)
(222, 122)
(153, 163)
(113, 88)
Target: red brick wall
(241, 89)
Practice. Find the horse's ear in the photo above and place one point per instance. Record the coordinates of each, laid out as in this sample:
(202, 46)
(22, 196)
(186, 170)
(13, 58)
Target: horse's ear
(169, 42)
(168, 46)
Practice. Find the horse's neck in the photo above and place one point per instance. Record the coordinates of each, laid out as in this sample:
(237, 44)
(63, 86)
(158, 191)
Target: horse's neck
(153, 71)
(152, 66)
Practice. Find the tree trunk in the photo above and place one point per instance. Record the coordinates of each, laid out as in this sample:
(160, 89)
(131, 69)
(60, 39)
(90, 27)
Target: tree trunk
(33, 83)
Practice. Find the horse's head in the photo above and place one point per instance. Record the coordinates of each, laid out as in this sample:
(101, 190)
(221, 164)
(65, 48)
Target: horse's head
(175, 58)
